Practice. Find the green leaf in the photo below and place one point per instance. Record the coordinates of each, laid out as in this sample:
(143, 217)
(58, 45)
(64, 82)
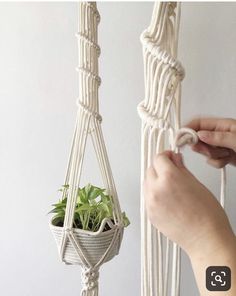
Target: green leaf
(92, 206)
(94, 193)
(52, 211)
(60, 205)
(105, 208)
(84, 207)
(57, 220)
(82, 196)
(125, 220)
(87, 189)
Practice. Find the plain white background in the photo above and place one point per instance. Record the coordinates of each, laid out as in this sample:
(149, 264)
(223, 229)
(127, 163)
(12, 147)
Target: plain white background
(38, 88)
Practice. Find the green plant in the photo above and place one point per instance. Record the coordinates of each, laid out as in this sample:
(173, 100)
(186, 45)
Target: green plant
(92, 206)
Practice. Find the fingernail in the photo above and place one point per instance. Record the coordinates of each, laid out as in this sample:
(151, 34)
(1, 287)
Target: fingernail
(204, 135)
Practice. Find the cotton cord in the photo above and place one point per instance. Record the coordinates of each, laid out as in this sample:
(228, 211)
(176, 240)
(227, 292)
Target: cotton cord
(77, 246)
(160, 115)
(188, 136)
(90, 281)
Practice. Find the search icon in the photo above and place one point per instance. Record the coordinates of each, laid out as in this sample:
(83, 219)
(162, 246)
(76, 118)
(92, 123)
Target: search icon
(218, 278)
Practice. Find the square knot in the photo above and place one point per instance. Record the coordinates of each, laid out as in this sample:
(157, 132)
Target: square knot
(90, 278)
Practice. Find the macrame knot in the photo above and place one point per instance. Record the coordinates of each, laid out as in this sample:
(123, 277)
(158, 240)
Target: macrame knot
(89, 110)
(171, 8)
(163, 124)
(168, 59)
(185, 136)
(90, 279)
(162, 55)
(68, 230)
(94, 10)
(151, 119)
(83, 37)
(89, 74)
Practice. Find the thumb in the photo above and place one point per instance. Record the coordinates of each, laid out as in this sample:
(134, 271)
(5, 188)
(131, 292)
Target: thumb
(177, 160)
(221, 139)
(163, 162)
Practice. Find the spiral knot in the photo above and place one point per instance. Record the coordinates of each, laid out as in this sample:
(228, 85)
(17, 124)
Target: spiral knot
(82, 36)
(151, 119)
(90, 279)
(89, 110)
(162, 55)
(93, 7)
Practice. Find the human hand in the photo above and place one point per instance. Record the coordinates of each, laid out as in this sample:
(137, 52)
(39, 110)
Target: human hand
(182, 208)
(217, 140)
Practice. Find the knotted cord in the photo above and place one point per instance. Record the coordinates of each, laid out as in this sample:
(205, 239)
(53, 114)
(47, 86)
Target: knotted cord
(77, 246)
(160, 115)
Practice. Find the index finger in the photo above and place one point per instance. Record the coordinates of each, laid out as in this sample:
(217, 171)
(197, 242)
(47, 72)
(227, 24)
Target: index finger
(211, 124)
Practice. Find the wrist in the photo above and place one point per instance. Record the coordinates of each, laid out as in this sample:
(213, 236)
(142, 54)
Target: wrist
(220, 255)
(214, 243)
(215, 249)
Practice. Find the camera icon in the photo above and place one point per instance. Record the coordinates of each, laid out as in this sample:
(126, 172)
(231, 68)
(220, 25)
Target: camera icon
(218, 278)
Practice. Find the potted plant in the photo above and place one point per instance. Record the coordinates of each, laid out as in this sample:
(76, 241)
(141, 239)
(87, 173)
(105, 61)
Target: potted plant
(93, 224)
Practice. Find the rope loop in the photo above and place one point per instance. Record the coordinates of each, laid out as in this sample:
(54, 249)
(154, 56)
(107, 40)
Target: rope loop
(185, 136)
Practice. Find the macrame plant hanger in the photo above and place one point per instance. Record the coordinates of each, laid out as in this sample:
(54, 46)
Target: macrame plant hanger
(160, 115)
(76, 246)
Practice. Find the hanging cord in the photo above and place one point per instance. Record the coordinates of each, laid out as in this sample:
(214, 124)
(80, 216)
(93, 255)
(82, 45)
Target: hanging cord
(160, 114)
(77, 246)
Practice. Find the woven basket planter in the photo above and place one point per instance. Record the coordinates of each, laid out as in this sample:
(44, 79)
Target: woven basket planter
(93, 246)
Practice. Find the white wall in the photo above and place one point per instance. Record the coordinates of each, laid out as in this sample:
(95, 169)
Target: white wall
(38, 89)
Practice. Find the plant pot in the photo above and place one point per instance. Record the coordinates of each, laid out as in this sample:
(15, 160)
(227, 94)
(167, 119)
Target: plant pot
(93, 244)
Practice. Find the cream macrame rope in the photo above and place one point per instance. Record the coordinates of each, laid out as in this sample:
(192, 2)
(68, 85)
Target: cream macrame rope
(188, 136)
(76, 246)
(160, 114)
